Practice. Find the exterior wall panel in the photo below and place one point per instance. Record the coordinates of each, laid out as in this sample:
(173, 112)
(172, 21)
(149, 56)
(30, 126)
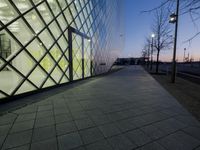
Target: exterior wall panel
(34, 41)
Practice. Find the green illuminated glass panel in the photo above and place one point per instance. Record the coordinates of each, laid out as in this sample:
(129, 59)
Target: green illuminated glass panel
(55, 52)
(9, 80)
(2, 96)
(37, 76)
(47, 63)
(7, 13)
(25, 87)
(77, 56)
(87, 58)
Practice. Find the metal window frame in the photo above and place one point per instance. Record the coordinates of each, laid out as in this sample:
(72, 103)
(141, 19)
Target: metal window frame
(83, 36)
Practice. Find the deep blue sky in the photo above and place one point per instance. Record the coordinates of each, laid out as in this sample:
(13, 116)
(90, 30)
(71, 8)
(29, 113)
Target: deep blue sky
(138, 26)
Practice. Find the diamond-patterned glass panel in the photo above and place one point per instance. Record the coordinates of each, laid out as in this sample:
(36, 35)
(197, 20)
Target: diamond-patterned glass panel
(8, 47)
(45, 12)
(63, 63)
(48, 83)
(17, 27)
(63, 4)
(22, 5)
(46, 38)
(25, 87)
(54, 29)
(56, 74)
(54, 6)
(36, 49)
(55, 52)
(68, 15)
(47, 63)
(77, 56)
(87, 58)
(63, 43)
(25, 66)
(34, 44)
(8, 86)
(65, 79)
(38, 76)
(62, 22)
(2, 95)
(7, 13)
(34, 21)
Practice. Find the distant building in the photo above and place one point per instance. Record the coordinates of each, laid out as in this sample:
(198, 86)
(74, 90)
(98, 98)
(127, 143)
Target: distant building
(130, 61)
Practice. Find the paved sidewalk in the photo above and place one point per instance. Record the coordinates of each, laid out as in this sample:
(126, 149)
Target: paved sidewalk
(122, 111)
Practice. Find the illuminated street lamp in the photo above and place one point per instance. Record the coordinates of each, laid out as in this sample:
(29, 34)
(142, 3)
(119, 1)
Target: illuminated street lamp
(174, 19)
(152, 37)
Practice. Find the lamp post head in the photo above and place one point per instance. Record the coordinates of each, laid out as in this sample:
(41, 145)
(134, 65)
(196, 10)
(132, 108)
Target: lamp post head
(152, 35)
(173, 18)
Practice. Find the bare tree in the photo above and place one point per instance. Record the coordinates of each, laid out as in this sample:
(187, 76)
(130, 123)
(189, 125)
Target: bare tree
(162, 31)
(146, 50)
(190, 7)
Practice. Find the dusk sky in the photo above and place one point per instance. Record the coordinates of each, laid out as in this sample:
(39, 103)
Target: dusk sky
(138, 26)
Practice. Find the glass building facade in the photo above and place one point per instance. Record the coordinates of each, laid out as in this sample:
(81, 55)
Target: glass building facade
(44, 43)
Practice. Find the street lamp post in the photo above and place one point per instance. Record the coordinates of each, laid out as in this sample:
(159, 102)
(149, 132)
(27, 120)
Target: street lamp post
(184, 55)
(152, 36)
(148, 55)
(174, 19)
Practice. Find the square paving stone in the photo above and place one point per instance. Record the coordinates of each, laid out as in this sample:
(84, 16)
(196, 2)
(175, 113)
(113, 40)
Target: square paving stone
(153, 117)
(59, 111)
(26, 117)
(7, 119)
(44, 102)
(100, 145)
(120, 142)
(138, 137)
(69, 141)
(126, 125)
(84, 123)
(188, 120)
(179, 141)
(47, 121)
(18, 139)
(153, 132)
(24, 147)
(170, 125)
(116, 116)
(44, 114)
(64, 128)
(2, 138)
(50, 144)
(91, 135)
(43, 133)
(193, 131)
(4, 129)
(100, 120)
(63, 118)
(27, 109)
(94, 112)
(109, 130)
(45, 107)
(79, 115)
(80, 148)
(152, 146)
(22, 126)
(138, 121)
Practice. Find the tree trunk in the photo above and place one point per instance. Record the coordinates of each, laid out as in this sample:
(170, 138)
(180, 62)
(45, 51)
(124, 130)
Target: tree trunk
(157, 61)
